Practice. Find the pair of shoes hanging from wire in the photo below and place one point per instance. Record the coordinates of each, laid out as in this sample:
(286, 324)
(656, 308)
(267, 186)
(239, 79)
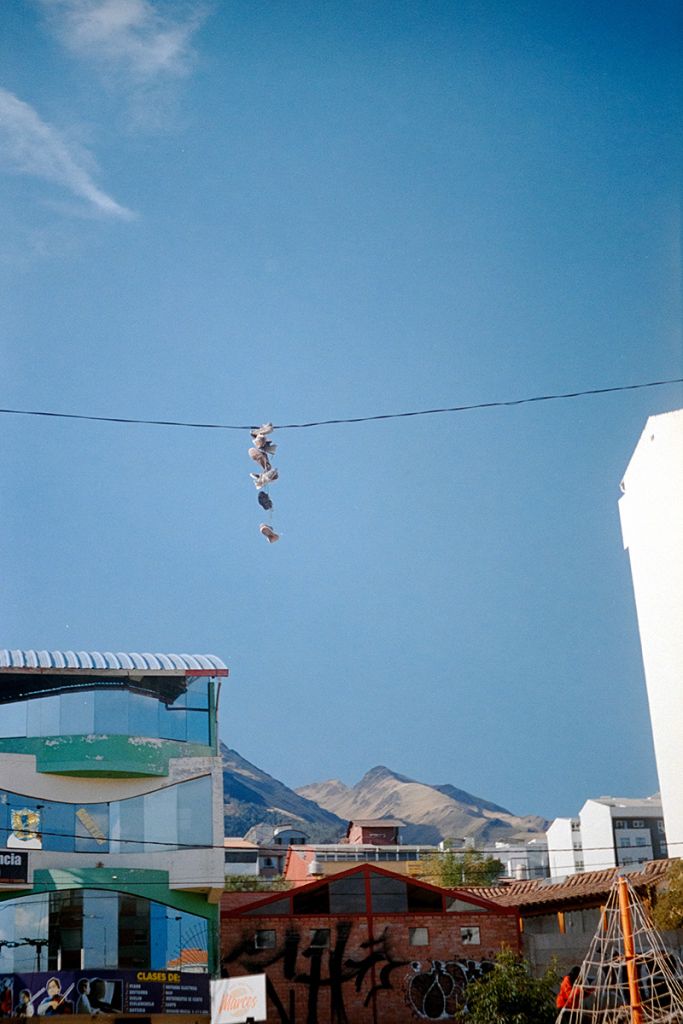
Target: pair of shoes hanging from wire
(262, 448)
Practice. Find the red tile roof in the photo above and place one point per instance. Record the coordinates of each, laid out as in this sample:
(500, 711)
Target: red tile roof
(588, 887)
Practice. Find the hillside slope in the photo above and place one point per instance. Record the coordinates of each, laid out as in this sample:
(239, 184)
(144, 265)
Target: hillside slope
(431, 813)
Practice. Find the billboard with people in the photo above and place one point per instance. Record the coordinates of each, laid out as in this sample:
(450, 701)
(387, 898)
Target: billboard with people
(51, 993)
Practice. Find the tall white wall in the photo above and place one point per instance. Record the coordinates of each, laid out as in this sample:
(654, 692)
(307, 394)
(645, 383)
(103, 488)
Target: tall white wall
(597, 836)
(562, 848)
(651, 512)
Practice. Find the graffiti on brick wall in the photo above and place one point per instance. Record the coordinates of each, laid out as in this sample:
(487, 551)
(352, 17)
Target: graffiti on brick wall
(323, 968)
(437, 992)
(320, 966)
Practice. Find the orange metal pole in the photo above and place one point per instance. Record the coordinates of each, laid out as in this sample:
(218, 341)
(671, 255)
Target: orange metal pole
(630, 954)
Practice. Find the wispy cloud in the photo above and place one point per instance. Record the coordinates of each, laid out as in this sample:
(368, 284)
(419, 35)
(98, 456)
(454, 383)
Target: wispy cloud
(28, 145)
(140, 38)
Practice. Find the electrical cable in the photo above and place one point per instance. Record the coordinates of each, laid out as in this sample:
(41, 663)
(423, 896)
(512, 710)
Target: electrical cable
(352, 419)
(178, 846)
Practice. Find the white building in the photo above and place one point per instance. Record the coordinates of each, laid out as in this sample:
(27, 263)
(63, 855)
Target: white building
(565, 853)
(525, 858)
(241, 857)
(651, 512)
(609, 832)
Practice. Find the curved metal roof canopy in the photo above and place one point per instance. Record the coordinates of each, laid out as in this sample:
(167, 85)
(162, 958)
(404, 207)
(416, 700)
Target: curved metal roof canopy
(25, 674)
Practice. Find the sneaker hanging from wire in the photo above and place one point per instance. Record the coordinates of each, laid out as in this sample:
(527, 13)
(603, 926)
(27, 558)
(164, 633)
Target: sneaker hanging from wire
(270, 534)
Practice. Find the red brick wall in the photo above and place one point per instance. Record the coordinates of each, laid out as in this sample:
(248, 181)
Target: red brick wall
(385, 981)
(376, 836)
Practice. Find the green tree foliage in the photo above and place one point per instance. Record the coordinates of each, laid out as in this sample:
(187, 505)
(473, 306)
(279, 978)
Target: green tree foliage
(248, 883)
(453, 869)
(508, 994)
(668, 911)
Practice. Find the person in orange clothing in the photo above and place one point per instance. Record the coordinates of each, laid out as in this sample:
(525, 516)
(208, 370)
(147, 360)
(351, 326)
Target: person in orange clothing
(571, 996)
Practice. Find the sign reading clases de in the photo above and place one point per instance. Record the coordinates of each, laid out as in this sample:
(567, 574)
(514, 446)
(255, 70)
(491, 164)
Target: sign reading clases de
(235, 1000)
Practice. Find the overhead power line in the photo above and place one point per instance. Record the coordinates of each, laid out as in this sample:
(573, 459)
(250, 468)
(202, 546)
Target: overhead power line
(350, 419)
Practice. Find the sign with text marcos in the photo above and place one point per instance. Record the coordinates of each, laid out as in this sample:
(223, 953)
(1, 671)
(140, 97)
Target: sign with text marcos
(13, 867)
(48, 993)
(235, 1000)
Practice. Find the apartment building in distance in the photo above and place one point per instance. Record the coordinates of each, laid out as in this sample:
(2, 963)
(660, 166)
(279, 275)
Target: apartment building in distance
(609, 832)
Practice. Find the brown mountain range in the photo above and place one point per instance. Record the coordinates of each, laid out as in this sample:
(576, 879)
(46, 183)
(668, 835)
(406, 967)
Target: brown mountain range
(431, 813)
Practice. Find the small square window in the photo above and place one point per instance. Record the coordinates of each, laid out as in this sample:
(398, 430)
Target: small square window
(320, 938)
(660, 825)
(618, 823)
(418, 936)
(637, 823)
(470, 936)
(265, 939)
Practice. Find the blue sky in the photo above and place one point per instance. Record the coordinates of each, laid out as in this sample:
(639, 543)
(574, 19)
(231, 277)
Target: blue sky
(236, 212)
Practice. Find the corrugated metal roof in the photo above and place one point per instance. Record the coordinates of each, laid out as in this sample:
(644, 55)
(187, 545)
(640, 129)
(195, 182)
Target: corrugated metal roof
(88, 661)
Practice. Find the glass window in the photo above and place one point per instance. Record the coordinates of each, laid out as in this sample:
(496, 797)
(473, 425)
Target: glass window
(195, 812)
(454, 904)
(143, 715)
(13, 719)
(317, 901)
(134, 931)
(43, 717)
(160, 810)
(77, 713)
(58, 824)
(246, 857)
(320, 938)
(420, 899)
(418, 936)
(24, 921)
(127, 824)
(347, 895)
(4, 819)
(470, 936)
(25, 822)
(265, 939)
(389, 895)
(166, 938)
(100, 928)
(65, 931)
(172, 817)
(92, 929)
(91, 823)
(173, 720)
(271, 909)
(198, 693)
(111, 712)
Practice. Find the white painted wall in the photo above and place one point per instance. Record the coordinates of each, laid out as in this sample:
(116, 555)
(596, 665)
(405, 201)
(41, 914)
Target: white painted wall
(597, 837)
(651, 512)
(564, 848)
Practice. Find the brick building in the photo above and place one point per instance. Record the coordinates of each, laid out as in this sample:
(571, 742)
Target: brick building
(367, 946)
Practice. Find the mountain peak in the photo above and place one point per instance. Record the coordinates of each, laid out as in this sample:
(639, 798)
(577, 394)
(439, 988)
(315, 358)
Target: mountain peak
(379, 773)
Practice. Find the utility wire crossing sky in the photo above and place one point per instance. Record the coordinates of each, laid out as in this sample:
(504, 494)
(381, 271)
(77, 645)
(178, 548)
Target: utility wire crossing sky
(353, 419)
